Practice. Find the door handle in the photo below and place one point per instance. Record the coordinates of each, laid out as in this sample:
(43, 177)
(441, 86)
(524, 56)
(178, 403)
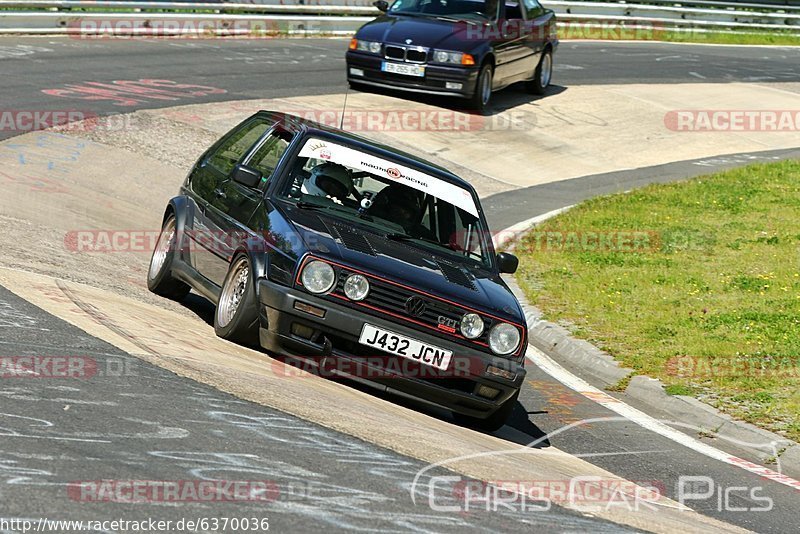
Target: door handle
(219, 193)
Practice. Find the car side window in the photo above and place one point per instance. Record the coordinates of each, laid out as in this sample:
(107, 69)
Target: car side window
(266, 158)
(228, 154)
(513, 11)
(533, 9)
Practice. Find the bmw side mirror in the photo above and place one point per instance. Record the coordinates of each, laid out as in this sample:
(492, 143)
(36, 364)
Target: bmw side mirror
(382, 5)
(247, 176)
(507, 263)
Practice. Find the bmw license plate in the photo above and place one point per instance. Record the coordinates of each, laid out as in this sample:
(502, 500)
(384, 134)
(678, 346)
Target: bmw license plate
(387, 341)
(401, 68)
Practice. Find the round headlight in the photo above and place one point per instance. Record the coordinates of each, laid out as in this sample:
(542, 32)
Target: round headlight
(356, 287)
(441, 56)
(375, 48)
(504, 338)
(471, 326)
(318, 277)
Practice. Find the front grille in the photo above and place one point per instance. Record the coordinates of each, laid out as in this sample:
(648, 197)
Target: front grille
(416, 56)
(392, 299)
(396, 52)
(407, 54)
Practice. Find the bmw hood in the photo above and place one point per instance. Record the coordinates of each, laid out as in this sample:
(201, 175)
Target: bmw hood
(422, 31)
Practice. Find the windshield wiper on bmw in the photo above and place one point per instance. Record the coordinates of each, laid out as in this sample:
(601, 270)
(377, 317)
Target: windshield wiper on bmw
(406, 237)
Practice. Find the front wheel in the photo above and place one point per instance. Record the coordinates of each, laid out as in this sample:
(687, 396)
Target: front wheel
(159, 275)
(495, 421)
(236, 316)
(483, 89)
(542, 75)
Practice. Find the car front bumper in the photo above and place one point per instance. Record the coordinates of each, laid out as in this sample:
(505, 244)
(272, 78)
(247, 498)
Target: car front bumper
(434, 81)
(334, 348)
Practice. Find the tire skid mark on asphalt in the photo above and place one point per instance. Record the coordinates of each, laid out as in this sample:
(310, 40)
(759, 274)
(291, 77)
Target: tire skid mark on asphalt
(254, 376)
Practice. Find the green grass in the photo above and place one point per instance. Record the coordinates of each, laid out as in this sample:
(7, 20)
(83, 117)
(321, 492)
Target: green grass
(704, 294)
(778, 38)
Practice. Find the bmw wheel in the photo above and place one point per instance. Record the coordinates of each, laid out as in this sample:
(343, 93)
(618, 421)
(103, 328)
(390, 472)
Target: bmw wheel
(236, 316)
(483, 89)
(542, 75)
(159, 276)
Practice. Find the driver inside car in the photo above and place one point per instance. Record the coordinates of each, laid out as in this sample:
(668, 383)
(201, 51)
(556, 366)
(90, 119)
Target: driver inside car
(329, 180)
(403, 206)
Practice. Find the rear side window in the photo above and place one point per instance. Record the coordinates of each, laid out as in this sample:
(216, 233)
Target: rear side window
(228, 154)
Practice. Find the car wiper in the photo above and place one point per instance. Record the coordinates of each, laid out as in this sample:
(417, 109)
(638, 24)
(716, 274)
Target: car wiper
(303, 205)
(406, 237)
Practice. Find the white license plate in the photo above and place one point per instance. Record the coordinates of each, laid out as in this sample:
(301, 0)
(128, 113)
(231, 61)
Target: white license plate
(400, 68)
(387, 341)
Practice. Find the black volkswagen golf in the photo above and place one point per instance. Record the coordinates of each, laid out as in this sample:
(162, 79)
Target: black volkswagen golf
(366, 262)
(464, 48)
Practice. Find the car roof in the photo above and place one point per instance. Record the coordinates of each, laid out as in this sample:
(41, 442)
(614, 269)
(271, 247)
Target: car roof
(301, 125)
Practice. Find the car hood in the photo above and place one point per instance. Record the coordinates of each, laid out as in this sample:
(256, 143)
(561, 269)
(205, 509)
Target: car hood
(427, 32)
(345, 242)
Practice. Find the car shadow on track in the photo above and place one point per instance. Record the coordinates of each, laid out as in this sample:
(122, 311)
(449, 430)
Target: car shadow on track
(519, 429)
(504, 100)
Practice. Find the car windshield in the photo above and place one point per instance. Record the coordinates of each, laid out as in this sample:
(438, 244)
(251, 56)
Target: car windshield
(391, 199)
(486, 9)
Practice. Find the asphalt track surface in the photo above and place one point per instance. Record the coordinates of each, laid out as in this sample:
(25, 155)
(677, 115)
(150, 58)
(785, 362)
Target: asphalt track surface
(202, 432)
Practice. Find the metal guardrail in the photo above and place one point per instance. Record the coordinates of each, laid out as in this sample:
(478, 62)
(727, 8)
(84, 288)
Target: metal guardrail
(229, 18)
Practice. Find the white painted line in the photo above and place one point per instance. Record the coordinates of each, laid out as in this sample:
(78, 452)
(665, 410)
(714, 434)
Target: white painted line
(577, 384)
(552, 368)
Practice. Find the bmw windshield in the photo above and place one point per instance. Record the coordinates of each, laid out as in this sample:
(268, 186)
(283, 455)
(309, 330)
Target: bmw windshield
(393, 200)
(456, 9)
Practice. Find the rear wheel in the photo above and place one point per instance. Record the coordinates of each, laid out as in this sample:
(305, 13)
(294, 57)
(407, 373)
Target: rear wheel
(236, 316)
(542, 75)
(483, 89)
(159, 276)
(495, 421)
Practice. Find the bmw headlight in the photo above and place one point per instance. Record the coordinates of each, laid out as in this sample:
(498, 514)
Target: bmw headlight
(372, 47)
(356, 287)
(504, 338)
(457, 58)
(318, 277)
(471, 326)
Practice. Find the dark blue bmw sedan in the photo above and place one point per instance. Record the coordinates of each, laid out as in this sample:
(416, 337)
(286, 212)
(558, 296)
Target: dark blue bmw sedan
(463, 48)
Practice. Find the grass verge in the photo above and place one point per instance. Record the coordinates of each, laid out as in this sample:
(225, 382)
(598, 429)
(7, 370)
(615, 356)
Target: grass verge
(696, 283)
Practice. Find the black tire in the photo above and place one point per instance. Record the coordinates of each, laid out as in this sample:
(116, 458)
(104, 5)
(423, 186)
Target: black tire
(495, 421)
(236, 314)
(159, 275)
(542, 75)
(481, 98)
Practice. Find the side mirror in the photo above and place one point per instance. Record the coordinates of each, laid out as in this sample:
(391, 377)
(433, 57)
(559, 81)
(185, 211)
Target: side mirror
(382, 5)
(507, 263)
(246, 176)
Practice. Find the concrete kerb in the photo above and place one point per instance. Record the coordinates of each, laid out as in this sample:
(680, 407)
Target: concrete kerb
(601, 370)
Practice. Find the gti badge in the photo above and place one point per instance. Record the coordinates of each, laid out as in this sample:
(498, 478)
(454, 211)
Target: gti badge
(447, 324)
(409, 41)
